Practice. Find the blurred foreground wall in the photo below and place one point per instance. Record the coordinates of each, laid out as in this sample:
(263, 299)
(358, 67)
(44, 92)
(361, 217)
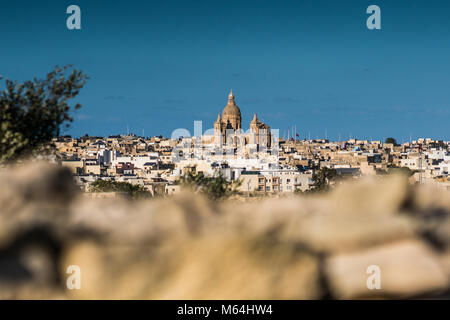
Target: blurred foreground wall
(309, 247)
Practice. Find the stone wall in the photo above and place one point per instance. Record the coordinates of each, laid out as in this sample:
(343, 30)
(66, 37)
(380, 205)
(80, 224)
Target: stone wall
(184, 247)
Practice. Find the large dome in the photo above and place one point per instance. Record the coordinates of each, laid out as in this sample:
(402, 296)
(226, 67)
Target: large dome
(231, 109)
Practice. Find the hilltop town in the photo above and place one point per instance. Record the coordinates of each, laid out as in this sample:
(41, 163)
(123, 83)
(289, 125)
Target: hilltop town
(264, 163)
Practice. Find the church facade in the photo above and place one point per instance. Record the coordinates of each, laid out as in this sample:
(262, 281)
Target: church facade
(228, 128)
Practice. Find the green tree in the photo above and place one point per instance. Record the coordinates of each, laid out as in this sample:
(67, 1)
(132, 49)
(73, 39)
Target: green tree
(400, 170)
(439, 144)
(134, 191)
(323, 178)
(391, 140)
(215, 188)
(33, 112)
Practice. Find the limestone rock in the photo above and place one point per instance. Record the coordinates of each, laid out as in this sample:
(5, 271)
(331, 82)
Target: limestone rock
(407, 269)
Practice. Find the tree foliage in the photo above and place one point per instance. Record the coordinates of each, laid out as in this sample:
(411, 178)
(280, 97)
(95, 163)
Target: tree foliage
(323, 178)
(134, 191)
(400, 170)
(391, 140)
(33, 112)
(215, 188)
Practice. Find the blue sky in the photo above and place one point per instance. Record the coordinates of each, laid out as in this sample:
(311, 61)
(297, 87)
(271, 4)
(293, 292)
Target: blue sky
(160, 65)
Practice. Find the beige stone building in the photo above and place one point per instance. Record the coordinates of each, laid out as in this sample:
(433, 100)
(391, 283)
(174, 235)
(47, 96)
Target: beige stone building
(274, 182)
(75, 166)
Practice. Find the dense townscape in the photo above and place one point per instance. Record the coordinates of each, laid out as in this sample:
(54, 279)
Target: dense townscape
(157, 163)
(149, 162)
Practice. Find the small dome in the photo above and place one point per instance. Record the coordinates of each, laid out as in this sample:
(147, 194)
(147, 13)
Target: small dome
(231, 109)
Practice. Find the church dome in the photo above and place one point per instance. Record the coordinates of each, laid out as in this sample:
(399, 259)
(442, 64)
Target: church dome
(231, 109)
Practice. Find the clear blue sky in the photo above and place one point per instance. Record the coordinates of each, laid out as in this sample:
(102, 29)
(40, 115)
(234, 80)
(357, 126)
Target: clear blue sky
(160, 65)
